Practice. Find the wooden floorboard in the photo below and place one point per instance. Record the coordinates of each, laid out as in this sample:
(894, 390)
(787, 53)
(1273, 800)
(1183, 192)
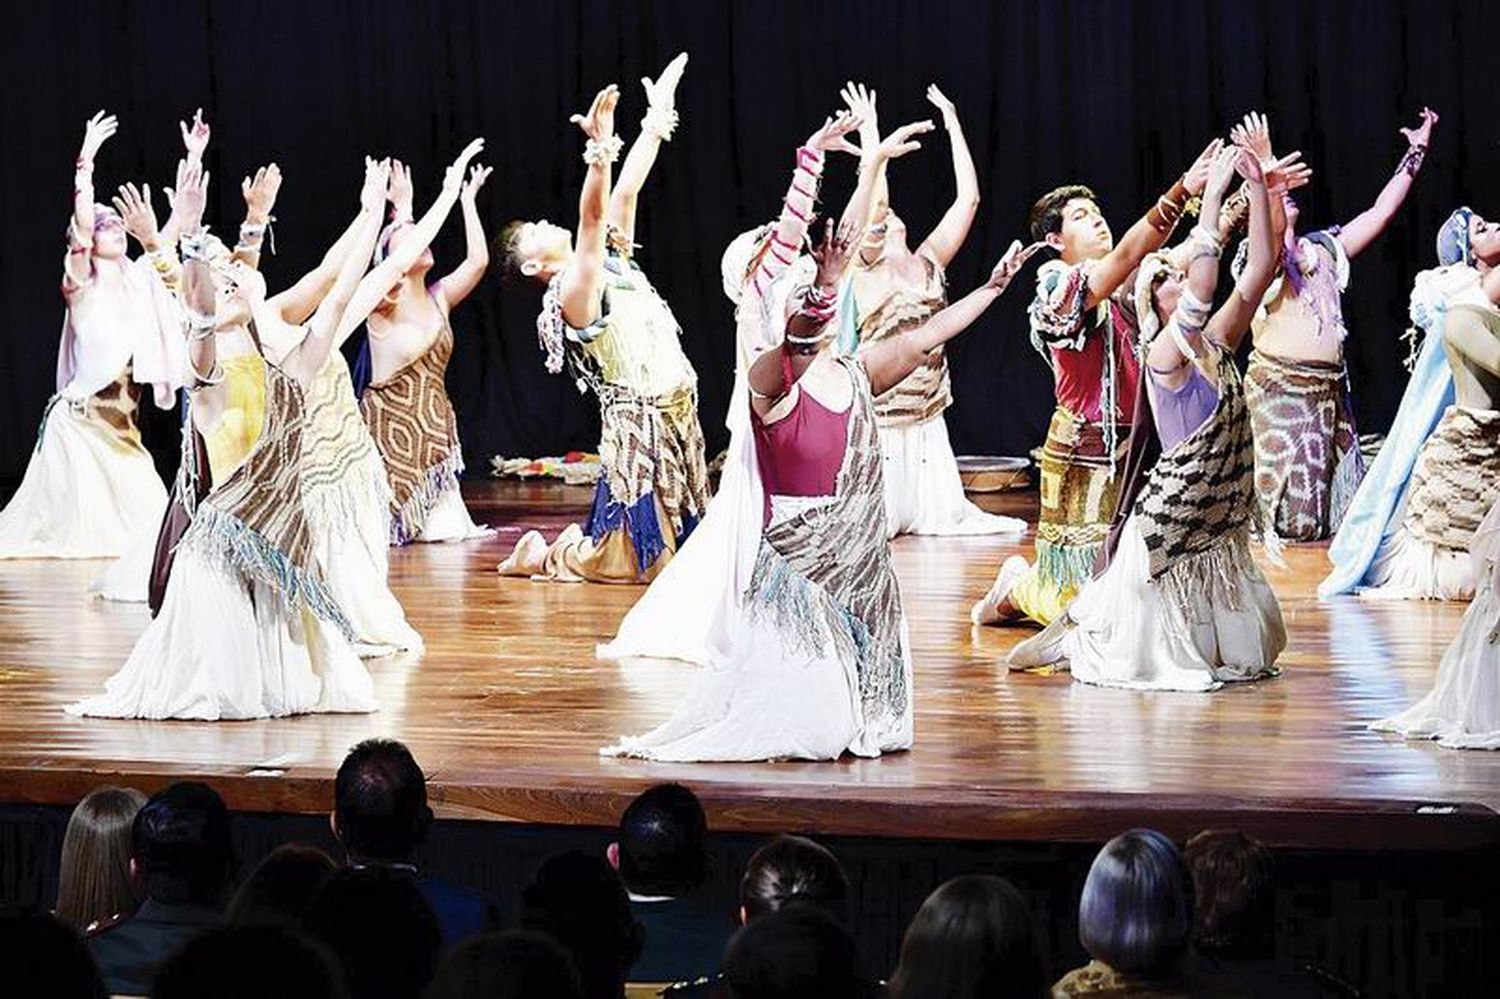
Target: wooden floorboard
(508, 706)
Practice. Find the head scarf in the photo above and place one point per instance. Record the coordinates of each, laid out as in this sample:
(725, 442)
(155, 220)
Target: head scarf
(1453, 239)
(1154, 267)
(734, 266)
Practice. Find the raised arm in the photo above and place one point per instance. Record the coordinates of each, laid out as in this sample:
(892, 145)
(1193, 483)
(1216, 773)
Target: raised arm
(298, 302)
(200, 307)
(944, 242)
(195, 139)
(583, 281)
(1360, 231)
(863, 105)
(463, 279)
(890, 361)
(135, 209)
(259, 193)
(656, 127)
(1232, 320)
(78, 263)
(369, 291)
(1150, 232)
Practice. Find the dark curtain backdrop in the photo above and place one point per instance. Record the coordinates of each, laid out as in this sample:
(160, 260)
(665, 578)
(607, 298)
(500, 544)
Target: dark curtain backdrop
(1119, 95)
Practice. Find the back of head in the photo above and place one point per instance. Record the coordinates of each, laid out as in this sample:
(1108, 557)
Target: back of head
(278, 890)
(379, 928)
(505, 247)
(180, 842)
(662, 835)
(93, 881)
(1234, 893)
(511, 965)
(1136, 913)
(1046, 215)
(579, 901)
(249, 962)
(974, 938)
(380, 801)
(793, 869)
(38, 941)
(795, 953)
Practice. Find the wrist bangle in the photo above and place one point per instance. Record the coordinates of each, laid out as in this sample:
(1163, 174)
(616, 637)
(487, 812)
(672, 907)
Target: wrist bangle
(200, 327)
(602, 152)
(660, 122)
(194, 245)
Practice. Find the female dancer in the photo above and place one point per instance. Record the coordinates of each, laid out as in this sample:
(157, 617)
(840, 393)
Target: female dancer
(90, 487)
(406, 404)
(248, 628)
(1182, 605)
(896, 288)
(818, 663)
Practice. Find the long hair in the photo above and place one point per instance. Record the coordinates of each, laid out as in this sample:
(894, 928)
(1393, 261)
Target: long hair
(1136, 913)
(94, 881)
(973, 938)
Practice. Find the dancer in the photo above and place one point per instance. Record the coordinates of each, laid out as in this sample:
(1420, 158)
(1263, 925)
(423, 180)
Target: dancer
(248, 628)
(818, 664)
(1182, 605)
(90, 487)
(1410, 527)
(1307, 458)
(1462, 711)
(621, 340)
(410, 343)
(896, 289)
(1084, 324)
(687, 608)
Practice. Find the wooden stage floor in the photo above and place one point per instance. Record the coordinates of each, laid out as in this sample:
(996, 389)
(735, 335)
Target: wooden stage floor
(508, 707)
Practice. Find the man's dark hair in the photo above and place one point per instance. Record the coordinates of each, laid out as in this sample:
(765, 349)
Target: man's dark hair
(796, 953)
(379, 928)
(661, 842)
(580, 902)
(1234, 891)
(249, 962)
(180, 844)
(276, 892)
(793, 869)
(1046, 216)
(380, 801)
(505, 248)
(515, 964)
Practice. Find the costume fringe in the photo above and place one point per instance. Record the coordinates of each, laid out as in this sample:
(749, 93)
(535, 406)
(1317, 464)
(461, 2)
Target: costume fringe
(639, 519)
(1066, 565)
(408, 521)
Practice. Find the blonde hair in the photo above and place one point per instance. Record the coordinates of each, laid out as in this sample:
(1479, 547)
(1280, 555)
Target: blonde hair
(94, 881)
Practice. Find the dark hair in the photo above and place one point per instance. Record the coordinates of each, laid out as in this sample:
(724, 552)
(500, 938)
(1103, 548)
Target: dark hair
(579, 901)
(376, 923)
(380, 801)
(93, 880)
(1234, 893)
(510, 965)
(662, 842)
(793, 869)
(973, 938)
(276, 892)
(55, 953)
(506, 247)
(1046, 215)
(1136, 913)
(249, 962)
(180, 843)
(795, 953)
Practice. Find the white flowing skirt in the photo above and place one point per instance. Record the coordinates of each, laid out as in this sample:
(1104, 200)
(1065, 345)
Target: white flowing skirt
(1123, 630)
(923, 491)
(1409, 568)
(227, 648)
(449, 520)
(128, 578)
(86, 494)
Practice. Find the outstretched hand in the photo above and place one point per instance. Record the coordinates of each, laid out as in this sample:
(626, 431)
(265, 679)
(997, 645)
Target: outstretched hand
(134, 206)
(195, 136)
(478, 174)
(1197, 175)
(834, 251)
(400, 191)
(940, 101)
(833, 135)
(96, 132)
(260, 192)
(1254, 133)
(190, 197)
(454, 178)
(1420, 135)
(661, 93)
(1223, 170)
(1010, 264)
(379, 185)
(902, 141)
(1280, 176)
(599, 123)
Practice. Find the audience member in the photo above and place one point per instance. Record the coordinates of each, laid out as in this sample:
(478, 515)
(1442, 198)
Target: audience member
(380, 817)
(380, 930)
(249, 962)
(277, 892)
(662, 857)
(93, 879)
(181, 859)
(513, 965)
(38, 947)
(973, 938)
(797, 952)
(579, 901)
